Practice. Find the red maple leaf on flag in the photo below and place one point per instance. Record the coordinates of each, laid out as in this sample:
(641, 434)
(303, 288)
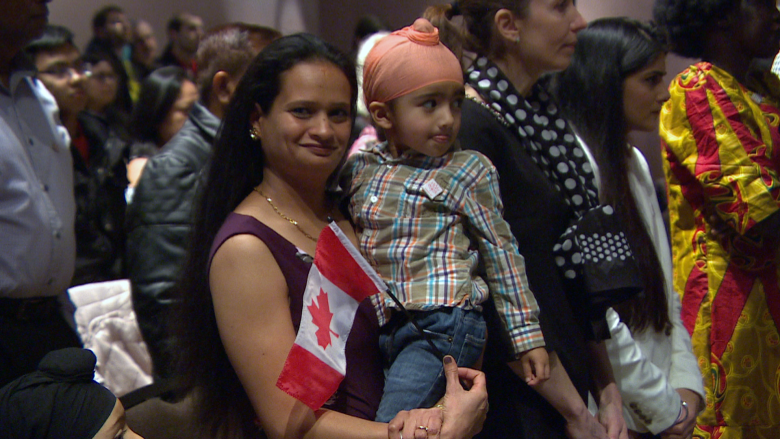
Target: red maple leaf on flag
(321, 316)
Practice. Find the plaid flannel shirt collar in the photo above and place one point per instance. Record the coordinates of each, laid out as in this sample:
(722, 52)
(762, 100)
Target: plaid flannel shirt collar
(409, 157)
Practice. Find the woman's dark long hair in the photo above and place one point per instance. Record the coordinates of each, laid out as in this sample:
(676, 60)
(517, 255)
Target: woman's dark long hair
(235, 167)
(590, 94)
(159, 92)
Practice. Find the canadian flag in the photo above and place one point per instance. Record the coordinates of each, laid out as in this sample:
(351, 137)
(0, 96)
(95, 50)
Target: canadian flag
(339, 279)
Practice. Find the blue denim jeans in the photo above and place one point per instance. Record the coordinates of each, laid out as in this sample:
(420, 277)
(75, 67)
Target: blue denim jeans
(414, 374)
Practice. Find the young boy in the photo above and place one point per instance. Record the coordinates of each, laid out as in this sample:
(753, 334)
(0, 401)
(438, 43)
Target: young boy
(428, 215)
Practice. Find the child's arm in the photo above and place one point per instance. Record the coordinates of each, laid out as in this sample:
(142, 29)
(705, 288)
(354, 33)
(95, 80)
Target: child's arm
(504, 266)
(516, 305)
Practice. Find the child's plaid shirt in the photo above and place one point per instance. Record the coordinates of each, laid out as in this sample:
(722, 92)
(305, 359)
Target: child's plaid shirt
(430, 225)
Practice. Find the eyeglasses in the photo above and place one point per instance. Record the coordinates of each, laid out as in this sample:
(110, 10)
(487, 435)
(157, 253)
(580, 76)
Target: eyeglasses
(65, 71)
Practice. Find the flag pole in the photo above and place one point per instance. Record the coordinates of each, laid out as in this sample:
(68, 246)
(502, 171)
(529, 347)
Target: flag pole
(416, 326)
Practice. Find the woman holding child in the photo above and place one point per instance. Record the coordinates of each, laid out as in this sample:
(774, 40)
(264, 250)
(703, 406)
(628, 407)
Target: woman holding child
(284, 137)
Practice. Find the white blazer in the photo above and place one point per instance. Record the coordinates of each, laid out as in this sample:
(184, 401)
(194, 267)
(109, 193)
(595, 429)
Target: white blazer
(649, 366)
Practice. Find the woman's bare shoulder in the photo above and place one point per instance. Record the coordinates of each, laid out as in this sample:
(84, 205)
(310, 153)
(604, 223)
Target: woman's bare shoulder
(244, 260)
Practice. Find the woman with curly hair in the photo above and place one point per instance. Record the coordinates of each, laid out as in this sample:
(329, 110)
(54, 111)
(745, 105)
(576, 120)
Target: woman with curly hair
(720, 139)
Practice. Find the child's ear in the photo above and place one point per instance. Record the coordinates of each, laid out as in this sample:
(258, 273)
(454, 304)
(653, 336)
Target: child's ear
(381, 114)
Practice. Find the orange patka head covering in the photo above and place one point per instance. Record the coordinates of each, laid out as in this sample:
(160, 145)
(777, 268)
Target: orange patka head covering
(407, 60)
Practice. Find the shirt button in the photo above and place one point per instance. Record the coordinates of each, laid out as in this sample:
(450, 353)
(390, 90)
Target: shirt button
(374, 199)
(57, 234)
(50, 281)
(45, 187)
(30, 140)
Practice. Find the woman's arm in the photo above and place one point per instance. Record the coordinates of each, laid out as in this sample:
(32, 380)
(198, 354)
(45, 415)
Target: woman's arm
(252, 311)
(685, 375)
(646, 390)
(683, 429)
(253, 316)
(563, 396)
(734, 165)
(607, 394)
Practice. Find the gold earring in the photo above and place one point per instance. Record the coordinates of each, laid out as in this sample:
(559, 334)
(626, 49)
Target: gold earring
(253, 134)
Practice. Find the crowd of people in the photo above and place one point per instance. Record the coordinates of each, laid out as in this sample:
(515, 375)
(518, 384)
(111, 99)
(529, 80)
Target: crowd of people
(481, 162)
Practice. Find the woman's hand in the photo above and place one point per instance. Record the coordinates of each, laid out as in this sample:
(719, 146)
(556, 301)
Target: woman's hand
(563, 396)
(134, 170)
(609, 399)
(417, 423)
(464, 410)
(584, 426)
(684, 429)
(611, 412)
(460, 414)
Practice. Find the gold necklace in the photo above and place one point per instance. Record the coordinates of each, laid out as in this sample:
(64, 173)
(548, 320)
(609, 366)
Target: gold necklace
(278, 212)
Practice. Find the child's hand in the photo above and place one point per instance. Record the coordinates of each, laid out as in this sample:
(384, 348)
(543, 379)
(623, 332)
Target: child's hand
(536, 366)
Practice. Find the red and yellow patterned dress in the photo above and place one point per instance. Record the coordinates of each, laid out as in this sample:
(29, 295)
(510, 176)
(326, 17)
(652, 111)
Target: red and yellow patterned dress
(720, 143)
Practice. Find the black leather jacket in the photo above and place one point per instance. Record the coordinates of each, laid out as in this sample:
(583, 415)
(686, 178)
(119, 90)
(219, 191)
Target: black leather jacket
(159, 220)
(99, 188)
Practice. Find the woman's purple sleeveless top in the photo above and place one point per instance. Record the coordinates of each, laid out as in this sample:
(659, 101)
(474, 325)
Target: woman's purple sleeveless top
(361, 390)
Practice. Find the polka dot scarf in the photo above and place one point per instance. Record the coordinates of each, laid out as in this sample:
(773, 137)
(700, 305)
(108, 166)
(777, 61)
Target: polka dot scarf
(550, 140)
(593, 254)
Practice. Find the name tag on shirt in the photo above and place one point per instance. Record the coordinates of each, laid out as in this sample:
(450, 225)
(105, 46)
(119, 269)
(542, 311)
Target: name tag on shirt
(432, 189)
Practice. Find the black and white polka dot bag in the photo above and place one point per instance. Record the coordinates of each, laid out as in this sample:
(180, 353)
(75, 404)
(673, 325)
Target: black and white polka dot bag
(594, 255)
